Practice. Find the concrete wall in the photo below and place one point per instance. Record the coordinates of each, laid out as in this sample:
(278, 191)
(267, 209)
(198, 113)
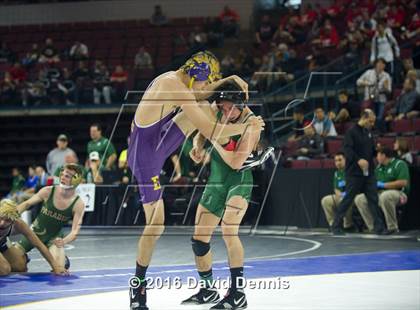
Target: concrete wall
(118, 10)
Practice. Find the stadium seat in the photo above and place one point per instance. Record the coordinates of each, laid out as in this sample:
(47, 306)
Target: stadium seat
(417, 143)
(298, 164)
(328, 163)
(314, 164)
(333, 146)
(386, 141)
(401, 126)
(416, 124)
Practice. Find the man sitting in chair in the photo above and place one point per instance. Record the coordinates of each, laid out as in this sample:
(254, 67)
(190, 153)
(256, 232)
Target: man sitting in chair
(393, 184)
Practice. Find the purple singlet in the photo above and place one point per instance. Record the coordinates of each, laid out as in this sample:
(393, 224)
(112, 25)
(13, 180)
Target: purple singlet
(148, 150)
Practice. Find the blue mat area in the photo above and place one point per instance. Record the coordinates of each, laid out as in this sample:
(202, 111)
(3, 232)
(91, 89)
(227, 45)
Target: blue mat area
(22, 288)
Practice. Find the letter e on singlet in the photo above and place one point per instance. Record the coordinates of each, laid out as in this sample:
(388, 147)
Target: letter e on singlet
(156, 183)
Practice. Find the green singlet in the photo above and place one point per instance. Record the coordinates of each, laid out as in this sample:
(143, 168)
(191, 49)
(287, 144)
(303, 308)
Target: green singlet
(49, 222)
(225, 182)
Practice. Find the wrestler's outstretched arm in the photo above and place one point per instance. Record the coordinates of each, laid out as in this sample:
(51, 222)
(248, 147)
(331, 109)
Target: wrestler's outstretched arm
(208, 90)
(210, 129)
(24, 229)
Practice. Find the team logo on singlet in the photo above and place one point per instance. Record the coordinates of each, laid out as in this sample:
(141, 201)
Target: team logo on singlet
(156, 183)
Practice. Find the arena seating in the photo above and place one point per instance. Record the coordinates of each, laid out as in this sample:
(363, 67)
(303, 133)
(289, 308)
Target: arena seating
(27, 140)
(407, 129)
(114, 42)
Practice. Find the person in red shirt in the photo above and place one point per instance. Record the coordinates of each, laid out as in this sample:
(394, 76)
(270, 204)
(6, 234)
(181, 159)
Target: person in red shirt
(328, 36)
(396, 16)
(119, 80)
(309, 15)
(18, 73)
(230, 20)
(334, 10)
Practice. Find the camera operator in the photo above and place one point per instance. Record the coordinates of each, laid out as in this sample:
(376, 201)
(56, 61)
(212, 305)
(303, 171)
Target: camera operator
(377, 86)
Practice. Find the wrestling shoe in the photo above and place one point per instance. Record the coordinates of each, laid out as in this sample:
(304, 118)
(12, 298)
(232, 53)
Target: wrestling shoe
(138, 298)
(257, 158)
(203, 296)
(236, 300)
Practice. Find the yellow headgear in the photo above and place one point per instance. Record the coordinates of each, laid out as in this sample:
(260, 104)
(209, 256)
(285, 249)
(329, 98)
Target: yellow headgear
(202, 66)
(78, 175)
(8, 209)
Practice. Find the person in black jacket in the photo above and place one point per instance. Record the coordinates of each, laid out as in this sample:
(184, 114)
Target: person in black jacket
(359, 149)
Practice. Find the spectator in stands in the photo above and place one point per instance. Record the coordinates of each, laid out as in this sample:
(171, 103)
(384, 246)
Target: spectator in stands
(282, 35)
(36, 92)
(310, 145)
(323, 124)
(158, 18)
(79, 51)
(414, 75)
(50, 53)
(103, 146)
(143, 60)
(368, 24)
(353, 38)
(393, 182)
(328, 36)
(67, 88)
(298, 125)
(31, 57)
(384, 46)
(230, 22)
(6, 54)
(227, 65)
(403, 151)
(377, 86)
(330, 203)
(198, 38)
(56, 157)
(82, 78)
(123, 165)
(18, 74)
(359, 150)
(309, 15)
(295, 29)
(30, 185)
(244, 63)
(94, 172)
(8, 90)
(101, 83)
(346, 109)
(395, 16)
(406, 102)
(18, 184)
(214, 30)
(261, 81)
(119, 80)
(179, 40)
(42, 177)
(265, 32)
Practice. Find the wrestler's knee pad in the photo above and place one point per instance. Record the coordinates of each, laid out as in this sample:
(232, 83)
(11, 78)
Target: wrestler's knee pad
(200, 248)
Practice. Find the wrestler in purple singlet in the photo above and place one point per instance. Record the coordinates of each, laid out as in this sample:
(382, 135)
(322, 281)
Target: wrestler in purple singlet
(148, 150)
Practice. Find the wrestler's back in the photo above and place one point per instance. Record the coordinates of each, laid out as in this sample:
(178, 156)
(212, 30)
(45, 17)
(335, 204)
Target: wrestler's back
(156, 102)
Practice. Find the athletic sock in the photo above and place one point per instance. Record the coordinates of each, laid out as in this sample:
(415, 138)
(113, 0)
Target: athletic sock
(206, 277)
(237, 279)
(141, 272)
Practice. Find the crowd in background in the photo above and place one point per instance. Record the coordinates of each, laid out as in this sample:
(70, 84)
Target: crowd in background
(40, 78)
